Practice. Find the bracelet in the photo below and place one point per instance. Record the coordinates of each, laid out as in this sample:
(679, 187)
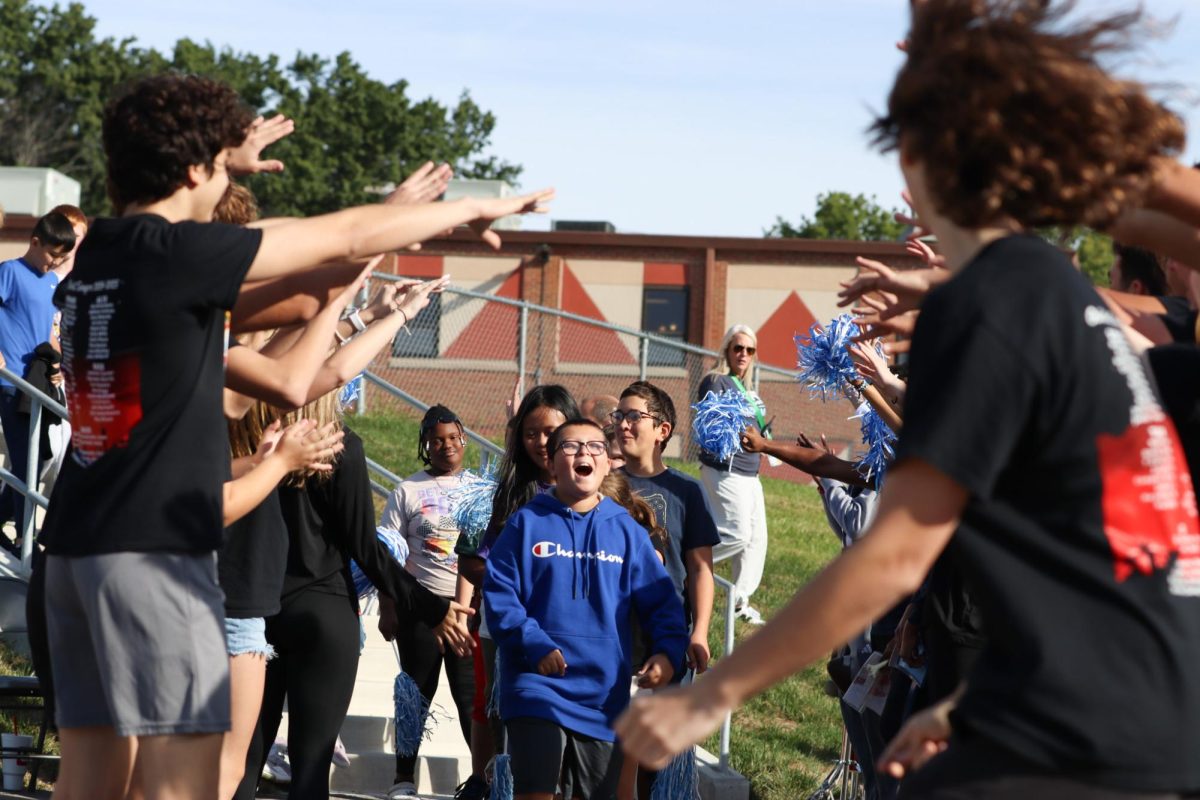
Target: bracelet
(341, 339)
(405, 325)
(356, 321)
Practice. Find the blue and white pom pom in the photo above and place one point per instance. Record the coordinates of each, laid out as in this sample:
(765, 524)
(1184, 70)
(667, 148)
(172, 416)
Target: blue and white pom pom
(396, 545)
(678, 780)
(879, 439)
(412, 712)
(471, 501)
(351, 392)
(719, 422)
(825, 364)
(502, 779)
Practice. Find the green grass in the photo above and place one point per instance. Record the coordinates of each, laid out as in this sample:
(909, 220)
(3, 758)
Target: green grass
(783, 740)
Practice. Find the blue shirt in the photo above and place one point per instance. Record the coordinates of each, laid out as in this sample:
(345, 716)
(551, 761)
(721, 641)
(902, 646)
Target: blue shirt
(26, 312)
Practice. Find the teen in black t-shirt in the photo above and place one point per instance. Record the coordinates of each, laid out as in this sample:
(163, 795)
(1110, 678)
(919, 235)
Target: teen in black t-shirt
(145, 315)
(1030, 430)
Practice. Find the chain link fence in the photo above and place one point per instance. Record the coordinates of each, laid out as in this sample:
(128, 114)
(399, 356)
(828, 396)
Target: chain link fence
(471, 351)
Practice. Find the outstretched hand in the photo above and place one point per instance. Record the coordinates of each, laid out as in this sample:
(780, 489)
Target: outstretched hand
(493, 208)
(246, 159)
(425, 185)
(452, 631)
(908, 287)
(924, 736)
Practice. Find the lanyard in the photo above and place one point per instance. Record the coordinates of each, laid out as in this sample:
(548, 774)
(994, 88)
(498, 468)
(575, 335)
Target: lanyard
(758, 409)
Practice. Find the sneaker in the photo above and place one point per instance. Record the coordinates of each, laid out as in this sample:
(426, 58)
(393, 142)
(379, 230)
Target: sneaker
(402, 789)
(340, 757)
(750, 614)
(474, 788)
(277, 768)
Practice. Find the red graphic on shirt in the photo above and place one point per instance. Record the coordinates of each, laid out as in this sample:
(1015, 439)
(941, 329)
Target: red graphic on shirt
(1149, 506)
(106, 402)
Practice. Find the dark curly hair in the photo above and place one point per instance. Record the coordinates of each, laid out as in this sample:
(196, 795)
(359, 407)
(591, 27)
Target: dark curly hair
(161, 126)
(1007, 108)
(658, 403)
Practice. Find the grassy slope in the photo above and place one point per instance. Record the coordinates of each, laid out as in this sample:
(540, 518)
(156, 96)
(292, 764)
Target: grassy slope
(784, 740)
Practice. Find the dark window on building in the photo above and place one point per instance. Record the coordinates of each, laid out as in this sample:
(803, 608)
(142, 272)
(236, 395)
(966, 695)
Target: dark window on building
(665, 313)
(423, 343)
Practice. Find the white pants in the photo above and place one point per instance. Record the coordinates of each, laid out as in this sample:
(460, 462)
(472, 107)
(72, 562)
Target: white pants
(740, 512)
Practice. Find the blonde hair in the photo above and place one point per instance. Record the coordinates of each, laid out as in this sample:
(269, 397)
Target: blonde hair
(722, 367)
(245, 433)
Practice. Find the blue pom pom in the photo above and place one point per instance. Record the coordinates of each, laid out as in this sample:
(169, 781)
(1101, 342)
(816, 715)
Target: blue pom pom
(719, 422)
(412, 710)
(678, 780)
(502, 780)
(878, 438)
(396, 545)
(351, 392)
(824, 362)
(471, 500)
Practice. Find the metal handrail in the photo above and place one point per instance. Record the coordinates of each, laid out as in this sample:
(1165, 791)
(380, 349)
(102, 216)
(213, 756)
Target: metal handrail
(727, 723)
(33, 461)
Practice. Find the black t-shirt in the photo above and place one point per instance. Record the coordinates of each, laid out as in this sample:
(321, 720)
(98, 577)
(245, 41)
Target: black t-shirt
(1176, 369)
(332, 520)
(143, 338)
(1080, 534)
(1180, 318)
(251, 563)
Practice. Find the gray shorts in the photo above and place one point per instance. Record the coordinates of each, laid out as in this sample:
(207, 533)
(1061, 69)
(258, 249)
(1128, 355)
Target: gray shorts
(549, 759)
(137, 643)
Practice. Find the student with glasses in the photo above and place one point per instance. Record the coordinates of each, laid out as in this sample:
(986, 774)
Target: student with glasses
(734, 491)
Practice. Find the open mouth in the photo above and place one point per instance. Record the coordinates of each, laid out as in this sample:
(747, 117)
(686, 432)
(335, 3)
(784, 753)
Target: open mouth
(583, 469)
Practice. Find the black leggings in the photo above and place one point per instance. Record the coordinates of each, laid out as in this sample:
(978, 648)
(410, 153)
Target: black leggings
(316, 638)
(423, 662)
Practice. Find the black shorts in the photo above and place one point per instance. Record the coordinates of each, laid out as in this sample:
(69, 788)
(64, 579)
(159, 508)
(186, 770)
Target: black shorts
(549, 759)
(976, 770)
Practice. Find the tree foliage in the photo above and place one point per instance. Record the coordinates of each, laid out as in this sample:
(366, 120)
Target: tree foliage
(354, 134)
(1093, 251)
(841, 215)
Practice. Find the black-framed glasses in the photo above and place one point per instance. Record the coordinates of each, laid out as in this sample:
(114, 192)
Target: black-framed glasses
(745, 348)
(573, 448)
(632, 416)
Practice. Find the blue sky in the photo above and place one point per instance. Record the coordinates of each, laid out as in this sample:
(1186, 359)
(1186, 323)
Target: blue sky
(697, 117)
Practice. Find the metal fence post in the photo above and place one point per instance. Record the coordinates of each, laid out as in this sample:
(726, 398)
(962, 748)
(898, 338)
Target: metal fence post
(31, 480)
(643, 357)
(522, 351)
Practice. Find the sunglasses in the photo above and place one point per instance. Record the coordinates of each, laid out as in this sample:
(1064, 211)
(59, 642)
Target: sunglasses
(745, 348)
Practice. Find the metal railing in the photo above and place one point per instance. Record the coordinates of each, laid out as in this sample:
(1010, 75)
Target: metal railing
(39, 402)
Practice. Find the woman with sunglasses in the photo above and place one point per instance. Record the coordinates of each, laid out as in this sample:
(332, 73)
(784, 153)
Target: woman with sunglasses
(734, 490)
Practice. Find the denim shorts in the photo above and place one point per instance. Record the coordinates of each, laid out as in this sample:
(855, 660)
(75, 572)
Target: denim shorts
(247, 635)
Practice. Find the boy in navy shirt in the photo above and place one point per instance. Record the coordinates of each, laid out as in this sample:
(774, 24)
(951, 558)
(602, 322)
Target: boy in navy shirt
(644, 421)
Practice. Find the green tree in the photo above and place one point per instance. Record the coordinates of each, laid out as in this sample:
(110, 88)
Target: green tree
(841, 215)
(354, 134)
(1092, 250)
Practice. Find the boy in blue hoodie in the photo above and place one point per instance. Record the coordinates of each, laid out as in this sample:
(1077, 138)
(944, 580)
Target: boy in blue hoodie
(562, 582)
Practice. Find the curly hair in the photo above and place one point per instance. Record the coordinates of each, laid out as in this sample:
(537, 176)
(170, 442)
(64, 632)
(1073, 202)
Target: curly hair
(237, 206)
(161, 126)
(1011, 115)
(658, 403)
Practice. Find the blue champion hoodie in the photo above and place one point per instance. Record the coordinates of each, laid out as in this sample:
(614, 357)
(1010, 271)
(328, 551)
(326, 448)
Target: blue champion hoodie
(559, 580)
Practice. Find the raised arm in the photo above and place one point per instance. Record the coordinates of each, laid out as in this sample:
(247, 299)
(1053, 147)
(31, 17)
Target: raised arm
(919, 511)
(806, 459)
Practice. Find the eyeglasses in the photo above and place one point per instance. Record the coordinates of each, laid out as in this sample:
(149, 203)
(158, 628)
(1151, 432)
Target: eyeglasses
(572, 448)
(632, 416)
(745, 348)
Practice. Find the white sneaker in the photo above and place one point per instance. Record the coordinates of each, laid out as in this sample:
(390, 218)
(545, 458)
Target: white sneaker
(750, 614)
(401, 790)
(277, 768)
(340, 757)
